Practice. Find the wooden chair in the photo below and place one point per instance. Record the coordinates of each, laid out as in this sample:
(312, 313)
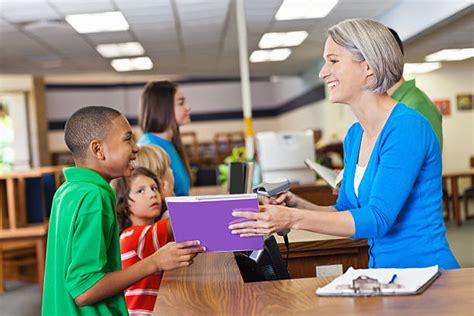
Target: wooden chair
(207, 153)
(446, 201)
(15, 233)
(191, 146)
(317, 135)
(225, 142)
(34, 233)
(469, 194)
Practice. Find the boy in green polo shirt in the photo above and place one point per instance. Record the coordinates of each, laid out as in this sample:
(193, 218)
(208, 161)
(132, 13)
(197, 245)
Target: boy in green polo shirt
(409, 94)
(83, 267)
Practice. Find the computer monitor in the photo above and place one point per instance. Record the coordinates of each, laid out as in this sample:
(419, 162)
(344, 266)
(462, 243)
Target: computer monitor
(240, 179)
(237, 176)
(262, 265)
(282, 154)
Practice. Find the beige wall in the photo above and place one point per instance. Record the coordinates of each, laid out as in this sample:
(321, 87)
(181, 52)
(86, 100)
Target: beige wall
(334, 119)
(205, 130)
(452, 79)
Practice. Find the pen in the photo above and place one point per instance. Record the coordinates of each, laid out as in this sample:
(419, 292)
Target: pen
(394, 277)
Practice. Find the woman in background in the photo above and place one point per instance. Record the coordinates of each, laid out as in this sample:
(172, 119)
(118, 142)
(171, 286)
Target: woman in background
(163, 109)
(391, 191)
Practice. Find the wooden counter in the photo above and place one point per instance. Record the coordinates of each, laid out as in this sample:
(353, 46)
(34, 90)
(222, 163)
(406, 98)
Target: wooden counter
(318, 193)
(309, 250)
(213, 286)
(207, 190)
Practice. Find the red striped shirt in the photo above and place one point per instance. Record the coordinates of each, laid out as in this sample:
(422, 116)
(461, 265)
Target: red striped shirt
(136, 243)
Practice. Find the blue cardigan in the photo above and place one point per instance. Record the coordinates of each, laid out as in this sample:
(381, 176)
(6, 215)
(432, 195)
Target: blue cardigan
(181, 177)
(400, 194)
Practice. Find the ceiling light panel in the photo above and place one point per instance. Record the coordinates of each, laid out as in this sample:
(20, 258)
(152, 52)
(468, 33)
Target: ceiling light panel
(279, 54)
(98, 22)
(419, 68)
(282, 39)
(120, 49)
(451, 54)
(304, 9)
(132, 64)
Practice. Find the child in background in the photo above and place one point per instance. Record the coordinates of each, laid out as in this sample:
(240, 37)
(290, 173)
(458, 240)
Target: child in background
(139, 202)
(157, 160)
(83, 273)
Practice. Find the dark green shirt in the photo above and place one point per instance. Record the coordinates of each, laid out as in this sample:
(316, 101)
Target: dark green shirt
(83, 245)
(413, 97)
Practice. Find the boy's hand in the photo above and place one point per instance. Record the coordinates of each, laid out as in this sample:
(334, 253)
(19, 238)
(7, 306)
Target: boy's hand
(175, 255)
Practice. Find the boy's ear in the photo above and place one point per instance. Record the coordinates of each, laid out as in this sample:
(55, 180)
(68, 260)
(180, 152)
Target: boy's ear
(97, 149)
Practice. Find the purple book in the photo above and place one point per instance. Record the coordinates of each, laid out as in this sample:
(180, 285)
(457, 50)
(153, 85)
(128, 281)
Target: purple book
(207, 218)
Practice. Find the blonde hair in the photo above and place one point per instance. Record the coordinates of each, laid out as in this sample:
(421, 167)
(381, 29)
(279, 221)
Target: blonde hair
(371, 41)
(154, 158)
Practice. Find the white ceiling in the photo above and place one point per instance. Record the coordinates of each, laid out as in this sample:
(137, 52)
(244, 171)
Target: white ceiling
(455, 32)
(182, 37)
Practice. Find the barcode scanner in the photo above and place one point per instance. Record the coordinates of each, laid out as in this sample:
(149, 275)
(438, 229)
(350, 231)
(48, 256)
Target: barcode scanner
(272, 189)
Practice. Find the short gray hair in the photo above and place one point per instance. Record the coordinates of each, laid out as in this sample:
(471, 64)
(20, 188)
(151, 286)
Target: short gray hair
(371, 41)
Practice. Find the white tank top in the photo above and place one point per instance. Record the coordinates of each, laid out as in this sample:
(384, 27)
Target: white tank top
(359, 173)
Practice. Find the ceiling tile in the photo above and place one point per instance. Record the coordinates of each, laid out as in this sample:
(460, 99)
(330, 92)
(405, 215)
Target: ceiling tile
(6, 27)
(110, 37)
(63, 30)
(204, 43)
(16, 12)
(67, 7)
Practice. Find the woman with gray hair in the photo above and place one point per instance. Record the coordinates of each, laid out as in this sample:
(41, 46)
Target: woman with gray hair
(391, 191)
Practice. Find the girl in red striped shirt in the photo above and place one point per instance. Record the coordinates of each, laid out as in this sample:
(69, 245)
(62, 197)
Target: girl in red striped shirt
(139, 203)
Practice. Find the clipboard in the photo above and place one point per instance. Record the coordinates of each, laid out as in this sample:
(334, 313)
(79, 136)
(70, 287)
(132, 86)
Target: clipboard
(329, 175)
(390, 282)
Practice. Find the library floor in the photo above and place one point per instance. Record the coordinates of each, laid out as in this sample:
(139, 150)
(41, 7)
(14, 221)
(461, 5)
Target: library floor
(23, 299)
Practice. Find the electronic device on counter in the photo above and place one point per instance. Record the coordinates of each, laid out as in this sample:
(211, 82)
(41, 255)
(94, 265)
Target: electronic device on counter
(272, 189)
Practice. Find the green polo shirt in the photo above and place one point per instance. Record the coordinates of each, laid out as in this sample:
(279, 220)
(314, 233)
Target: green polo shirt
(413, 97)
(83, 245)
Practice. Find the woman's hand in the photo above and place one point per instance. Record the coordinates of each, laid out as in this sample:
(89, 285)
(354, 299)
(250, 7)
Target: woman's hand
(284, 199)
(270, 219)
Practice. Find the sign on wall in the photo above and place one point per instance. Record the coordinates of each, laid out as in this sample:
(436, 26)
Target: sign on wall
(464, 102)
(444, 106)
